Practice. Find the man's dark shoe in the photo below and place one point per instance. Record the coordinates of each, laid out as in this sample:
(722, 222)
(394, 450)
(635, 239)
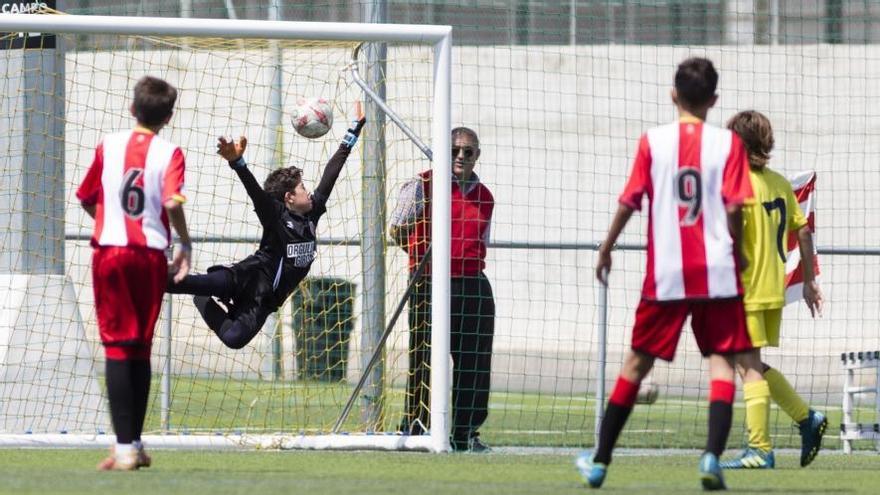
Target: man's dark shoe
(478, 447)
(472, 444)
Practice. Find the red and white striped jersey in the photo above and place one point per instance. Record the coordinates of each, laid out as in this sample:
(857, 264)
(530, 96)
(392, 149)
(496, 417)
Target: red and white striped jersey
(133, 174)
(690, 171)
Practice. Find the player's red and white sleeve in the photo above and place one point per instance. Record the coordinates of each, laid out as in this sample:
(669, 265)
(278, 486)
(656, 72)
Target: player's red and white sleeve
(172, 185)
(736, 188)
(90, 189)
(640, 178)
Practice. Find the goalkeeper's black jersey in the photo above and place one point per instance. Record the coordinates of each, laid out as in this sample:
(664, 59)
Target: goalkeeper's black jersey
(288, 245)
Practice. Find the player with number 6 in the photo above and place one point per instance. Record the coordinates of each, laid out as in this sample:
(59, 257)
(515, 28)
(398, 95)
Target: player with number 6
(134, 190)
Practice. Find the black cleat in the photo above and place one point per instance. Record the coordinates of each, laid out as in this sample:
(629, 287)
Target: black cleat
(472, 444)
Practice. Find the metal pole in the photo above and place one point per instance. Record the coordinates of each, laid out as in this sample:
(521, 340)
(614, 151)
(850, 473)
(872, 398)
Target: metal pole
(572, 23)
(847, 405)
(230, 10)
(441, 246)
(373, 224)
(374, 359)
(611, 23)
(833, 21)
(386, 110)
(277, 147)
(739, 24)
(603, 358)
(165, 385)
(224, 28)
(32, 203)
(877, 405)
(774, 22)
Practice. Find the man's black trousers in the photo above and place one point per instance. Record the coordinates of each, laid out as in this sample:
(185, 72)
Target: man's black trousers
(472, 327)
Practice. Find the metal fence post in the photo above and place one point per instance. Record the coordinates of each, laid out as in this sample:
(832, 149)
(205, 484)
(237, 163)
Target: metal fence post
(165, 386)
(603, 357)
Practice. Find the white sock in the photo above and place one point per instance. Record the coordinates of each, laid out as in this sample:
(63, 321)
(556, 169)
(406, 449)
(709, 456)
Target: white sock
(124, 449)
(138, 445)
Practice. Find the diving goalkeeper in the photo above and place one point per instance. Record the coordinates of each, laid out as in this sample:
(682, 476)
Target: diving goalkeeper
(256, 286)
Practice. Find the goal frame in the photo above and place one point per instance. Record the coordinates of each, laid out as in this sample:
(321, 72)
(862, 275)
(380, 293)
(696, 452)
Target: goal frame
(440, 37)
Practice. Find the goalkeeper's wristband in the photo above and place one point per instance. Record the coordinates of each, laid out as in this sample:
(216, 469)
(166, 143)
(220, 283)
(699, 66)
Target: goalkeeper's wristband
(349, 140)
(354, 131)
(185, 247)
(238, 163)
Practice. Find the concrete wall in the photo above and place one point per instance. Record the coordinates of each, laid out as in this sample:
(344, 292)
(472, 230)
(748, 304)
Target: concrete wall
(558, 127)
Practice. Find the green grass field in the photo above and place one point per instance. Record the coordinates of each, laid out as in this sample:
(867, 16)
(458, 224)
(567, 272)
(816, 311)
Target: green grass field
(196, 473)
(515, 419)
(517, 422)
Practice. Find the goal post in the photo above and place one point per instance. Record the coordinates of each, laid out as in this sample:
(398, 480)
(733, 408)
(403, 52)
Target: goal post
(223, 85)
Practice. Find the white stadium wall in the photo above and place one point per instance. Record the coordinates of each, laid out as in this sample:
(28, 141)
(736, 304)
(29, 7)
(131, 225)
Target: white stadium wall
(558, 128)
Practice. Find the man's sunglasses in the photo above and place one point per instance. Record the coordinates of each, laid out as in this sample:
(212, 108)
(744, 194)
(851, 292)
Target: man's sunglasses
(468, 152)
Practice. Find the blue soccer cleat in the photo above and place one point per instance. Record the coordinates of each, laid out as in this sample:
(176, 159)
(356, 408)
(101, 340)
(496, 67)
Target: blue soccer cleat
(710, 473)
(751, 458)
(812, 430)
(592, 472)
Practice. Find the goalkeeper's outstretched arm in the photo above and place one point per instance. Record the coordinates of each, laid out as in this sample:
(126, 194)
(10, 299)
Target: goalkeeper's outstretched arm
(337, 161)
(268, 210)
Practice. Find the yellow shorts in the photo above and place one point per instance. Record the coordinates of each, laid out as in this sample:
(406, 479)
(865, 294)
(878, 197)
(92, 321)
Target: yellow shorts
(764, 326)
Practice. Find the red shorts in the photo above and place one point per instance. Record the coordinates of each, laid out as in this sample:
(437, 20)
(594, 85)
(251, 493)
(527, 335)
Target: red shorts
(129, 284)
(719, 326)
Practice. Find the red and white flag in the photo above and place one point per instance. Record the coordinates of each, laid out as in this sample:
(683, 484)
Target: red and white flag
(804, 186)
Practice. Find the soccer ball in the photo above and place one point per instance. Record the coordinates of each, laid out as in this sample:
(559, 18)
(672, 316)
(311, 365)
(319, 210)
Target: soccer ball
(648, 393)
(312, 117)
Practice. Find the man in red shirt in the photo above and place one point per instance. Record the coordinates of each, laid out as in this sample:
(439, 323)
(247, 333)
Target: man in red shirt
(472, 304)
(696, 177)
(133, 190)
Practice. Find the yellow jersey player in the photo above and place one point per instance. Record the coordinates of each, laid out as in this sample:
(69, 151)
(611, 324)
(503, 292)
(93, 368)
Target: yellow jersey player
(766, 226)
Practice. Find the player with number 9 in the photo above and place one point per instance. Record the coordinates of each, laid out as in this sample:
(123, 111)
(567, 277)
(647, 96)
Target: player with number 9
(696, 179)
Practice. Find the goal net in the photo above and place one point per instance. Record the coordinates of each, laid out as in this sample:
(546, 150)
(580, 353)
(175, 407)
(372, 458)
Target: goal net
(287, 388)
(559, 94)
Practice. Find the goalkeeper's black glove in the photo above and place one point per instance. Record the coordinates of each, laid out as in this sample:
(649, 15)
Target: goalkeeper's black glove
(354, 131)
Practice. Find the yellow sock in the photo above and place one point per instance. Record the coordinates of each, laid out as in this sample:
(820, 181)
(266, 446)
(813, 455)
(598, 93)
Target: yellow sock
(784, 395)
(757, 397)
